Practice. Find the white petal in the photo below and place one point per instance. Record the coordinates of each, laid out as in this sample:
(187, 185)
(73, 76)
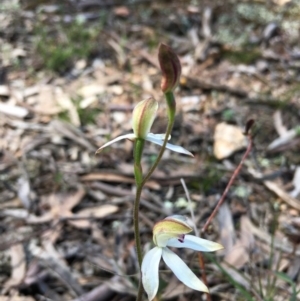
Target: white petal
(195, 243)
(182, 271)
(150, 272)
(172, 147)
(127, 136)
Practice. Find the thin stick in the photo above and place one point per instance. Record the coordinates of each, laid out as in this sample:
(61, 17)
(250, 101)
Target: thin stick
(190, 205)
(236, 172)
(202, 266)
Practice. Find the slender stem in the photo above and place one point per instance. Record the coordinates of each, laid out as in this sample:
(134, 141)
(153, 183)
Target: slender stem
(138, 172)
(236, 172)
(202, 267)
(139, 295)
(171, 117)
(136, 224)
(137, 154)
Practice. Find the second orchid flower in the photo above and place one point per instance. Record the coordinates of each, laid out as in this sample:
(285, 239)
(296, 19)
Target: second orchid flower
(171, 232)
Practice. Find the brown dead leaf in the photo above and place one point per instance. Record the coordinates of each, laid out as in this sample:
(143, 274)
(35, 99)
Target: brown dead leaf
(174, 289)
(65, 102)
(281, 2)
(246, 235)
(71, 132)
(121, 11)
(93, 212)
(122, 285)
(283, 194)
(16, 298)
(91, 90)
(18, 265)
(24, 192)
(237, 276)
(13, 110)
(61, 206)
(86, 102)
(296, 183)
(7, 160)
(71, 200)
(112, 177)
(4, 90)
(102, 290)
(45, 102)
(291, 228)
(53, 261)
(294, 268)
(227, 232)
(277, 243)
(121, 56)
(283, 140)
(238, 256)
(30, 218)
(32, 90)
(278, 123)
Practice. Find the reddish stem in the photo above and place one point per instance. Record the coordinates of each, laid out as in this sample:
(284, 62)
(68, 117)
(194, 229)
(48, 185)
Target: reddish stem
(204, 279)
(236, 172)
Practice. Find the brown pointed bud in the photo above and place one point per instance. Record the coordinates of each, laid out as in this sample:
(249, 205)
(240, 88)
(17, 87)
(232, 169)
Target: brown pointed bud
(170, 67)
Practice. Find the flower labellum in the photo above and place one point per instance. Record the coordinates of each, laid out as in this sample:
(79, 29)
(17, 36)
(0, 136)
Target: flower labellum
(170, 227)
(171, 232)
(170, 67)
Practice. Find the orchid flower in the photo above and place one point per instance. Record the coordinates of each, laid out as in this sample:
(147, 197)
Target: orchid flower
(143, 117)
(171, 232)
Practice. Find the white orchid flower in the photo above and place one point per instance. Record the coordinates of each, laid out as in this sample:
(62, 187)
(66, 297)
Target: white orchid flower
(171, 232)
(143, 117)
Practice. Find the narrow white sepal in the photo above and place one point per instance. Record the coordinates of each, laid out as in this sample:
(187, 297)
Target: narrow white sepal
(158, 136)
(127, 136)
(178, 149)
(172, 147)
(150, 272)
(182, 271)
(195, 243)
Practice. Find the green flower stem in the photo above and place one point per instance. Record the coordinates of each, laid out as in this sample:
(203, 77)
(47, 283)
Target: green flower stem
(171, 117)
(138, 172)
(137, 238)
(138, 152)
(140, 291)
